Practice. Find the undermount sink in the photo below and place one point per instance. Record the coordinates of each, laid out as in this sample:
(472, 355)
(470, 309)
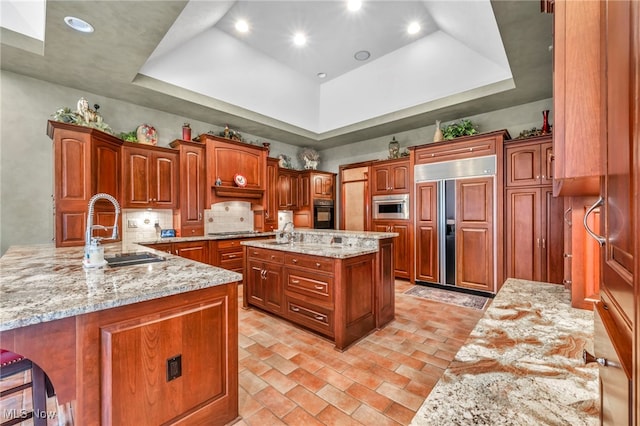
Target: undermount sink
(137, 258)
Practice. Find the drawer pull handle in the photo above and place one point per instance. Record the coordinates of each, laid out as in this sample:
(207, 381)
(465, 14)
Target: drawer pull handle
(567, 220)
(601, 241)
(319, 287)
(588, 358)
(231, 256)
(295, 309)
(295, 281)
(295, 260)
(319, 317)
(318, 264)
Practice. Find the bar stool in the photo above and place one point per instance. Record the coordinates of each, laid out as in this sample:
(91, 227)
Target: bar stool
(11, 364)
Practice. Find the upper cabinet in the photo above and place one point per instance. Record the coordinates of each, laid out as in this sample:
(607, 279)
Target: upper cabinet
(192, 187)
(579, 124)
(86, 162)
(271, 198)
(287, 189)
(150, 177)
(530, 163)
(240, 169)
(323, 185)
(391, 177)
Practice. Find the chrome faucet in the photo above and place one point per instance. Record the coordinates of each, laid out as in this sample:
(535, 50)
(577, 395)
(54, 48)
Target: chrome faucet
(88, 237)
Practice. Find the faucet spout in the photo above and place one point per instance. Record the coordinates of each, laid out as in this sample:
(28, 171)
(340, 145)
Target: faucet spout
(90, 226)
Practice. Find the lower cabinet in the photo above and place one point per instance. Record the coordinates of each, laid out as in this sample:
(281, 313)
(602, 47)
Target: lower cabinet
(226, 254)
(402, 246)
(333, 297)
(194, 250)
(534, 234)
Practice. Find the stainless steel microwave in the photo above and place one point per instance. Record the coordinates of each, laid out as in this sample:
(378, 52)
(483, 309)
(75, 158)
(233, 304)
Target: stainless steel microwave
(394, 206)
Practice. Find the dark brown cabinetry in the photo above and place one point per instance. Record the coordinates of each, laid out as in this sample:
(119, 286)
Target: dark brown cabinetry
(150, 177)
(227, 254)
(402, 244)
(192, 187)
(86, 162)
(534, 218)
(271, 198)
(287, 189)
(194, 250)
(334, 297)
(427, 264)
(390, 177)
(323, 185)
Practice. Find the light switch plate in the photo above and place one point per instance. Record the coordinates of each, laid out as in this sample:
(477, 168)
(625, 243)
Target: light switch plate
(131, 223)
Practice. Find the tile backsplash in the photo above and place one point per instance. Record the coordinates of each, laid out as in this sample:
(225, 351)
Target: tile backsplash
(139, 225)
(228, 216)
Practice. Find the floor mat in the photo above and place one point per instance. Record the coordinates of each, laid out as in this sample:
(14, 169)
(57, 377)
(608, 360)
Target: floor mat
(451, 297)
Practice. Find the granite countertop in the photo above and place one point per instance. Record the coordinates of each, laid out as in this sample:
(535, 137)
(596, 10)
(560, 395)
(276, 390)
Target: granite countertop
(41, 283)
(221, 236)
(521, 365)
(327, 243)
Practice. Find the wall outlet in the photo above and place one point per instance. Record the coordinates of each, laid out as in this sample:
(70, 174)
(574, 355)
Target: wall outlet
(131, 223)
(174, 368)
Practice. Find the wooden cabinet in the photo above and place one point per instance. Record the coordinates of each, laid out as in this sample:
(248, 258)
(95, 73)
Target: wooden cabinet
(150, 177)
(578, 97)
(227, 254)
(391, 177)
(304, 191)
(323, 185)
(530, 163)
(86, 162)
(402, 245)
(194, 250)
(224, 160)
(427, 232)
(334, 297)
(534, 229)
(355, 198)
(474, 233)
(192, 187)
(287, 189)
(271, 198)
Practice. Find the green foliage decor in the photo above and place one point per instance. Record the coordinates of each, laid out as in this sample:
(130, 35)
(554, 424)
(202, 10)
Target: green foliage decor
(463, 127)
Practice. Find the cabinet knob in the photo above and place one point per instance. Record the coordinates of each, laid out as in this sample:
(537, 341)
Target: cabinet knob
(295, 260)
(567, 255)
(318, 264)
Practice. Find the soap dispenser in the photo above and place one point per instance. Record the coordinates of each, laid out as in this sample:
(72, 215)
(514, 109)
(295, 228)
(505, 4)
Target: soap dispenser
(93, 255)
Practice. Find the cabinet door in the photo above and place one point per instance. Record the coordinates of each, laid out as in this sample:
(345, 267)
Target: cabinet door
(391, 178)
(255, 283)
(400, 177)
(474, 234)
(523, 165)
(381, 180)
(192, 188)
(547, 163)
(322, 187)
(402, 250)
(287, 190)
(523, 230)
(271, 199)
(585, 252)
(427, 232)
(194, 250)
(273, 288)
(355, 206)
(164, 179)
(552, 228)
(304, 191)
(137, 177)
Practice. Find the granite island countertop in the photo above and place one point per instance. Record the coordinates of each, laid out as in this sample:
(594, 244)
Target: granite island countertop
(40, 283)
(521, 365)
(332, 243)
(206, 237)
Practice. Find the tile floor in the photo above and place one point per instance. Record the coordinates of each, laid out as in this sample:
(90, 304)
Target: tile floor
(289, 376)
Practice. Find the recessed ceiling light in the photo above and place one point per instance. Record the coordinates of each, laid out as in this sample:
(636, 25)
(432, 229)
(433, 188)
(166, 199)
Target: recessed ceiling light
(354, 5)
(362, 55)
(242, 26)
(78, 24)
(322, 75)
(413, 28)
(299, 39)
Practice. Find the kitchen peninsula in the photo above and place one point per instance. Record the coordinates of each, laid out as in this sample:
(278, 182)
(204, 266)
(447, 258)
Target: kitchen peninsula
(153, 343)
(338, 284)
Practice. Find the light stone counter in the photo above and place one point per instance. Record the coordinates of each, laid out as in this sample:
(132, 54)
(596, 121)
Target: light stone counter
(40, 283)
(327, 243)
(220, 236)
(522, 365)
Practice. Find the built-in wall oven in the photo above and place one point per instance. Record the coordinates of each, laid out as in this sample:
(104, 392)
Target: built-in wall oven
(395, 206)
(323, 214)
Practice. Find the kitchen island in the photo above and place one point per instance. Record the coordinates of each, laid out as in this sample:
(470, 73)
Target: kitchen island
(521, 365)
(110, 338)
(338, 284)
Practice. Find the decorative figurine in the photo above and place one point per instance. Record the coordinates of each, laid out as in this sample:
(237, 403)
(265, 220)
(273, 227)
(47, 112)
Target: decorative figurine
(394, 148)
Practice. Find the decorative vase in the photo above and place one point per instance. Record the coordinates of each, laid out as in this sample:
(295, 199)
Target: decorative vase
(186, 132)
(147, 134)
(545, 122)
(266, 145)
(394, 148)
(437, 136)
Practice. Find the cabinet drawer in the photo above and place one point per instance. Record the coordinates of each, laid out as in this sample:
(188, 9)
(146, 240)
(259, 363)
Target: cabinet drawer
(456, 151)
(265, 254)
(228, 256)
(225, 244)
(318, 287)
(311, 262)
(310, 315)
